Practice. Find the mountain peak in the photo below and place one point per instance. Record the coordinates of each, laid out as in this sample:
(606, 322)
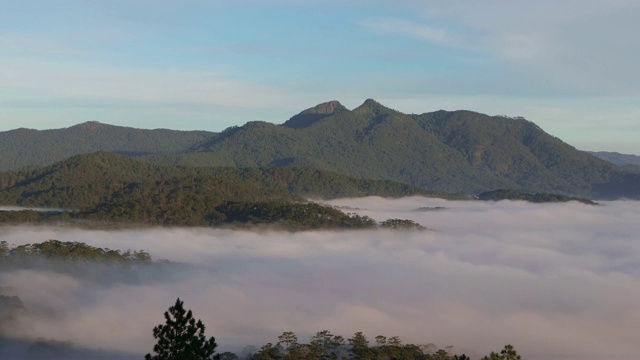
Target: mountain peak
(370, 103)
(312, 115)
(373, 108)
(90, 126)
(326, 108)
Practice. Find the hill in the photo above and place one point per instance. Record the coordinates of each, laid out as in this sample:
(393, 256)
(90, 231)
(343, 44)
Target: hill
(626, 161)
(22, 147)
(446, 151)
(104, 186)
(504, 194)
(459, 151)
(86, 180)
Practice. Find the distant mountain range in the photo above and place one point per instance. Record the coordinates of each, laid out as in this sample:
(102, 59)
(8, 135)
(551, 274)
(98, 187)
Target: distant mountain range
(459, 151)
(21, 148)
(629, 162)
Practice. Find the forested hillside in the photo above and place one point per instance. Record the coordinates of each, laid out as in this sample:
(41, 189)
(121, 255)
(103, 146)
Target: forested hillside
(450, 151)
(505, 194)
(108, 187)
(626, 161)
(34, 148)
(460, 151)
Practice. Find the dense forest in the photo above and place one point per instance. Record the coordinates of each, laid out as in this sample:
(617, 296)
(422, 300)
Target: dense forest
(94, 264)
(507, 194)
(325, 345)
(85, 180)
(111, 189)
(449, 151)
(460, 151)
(182, 337)
(626, 161)
(58, 252)
(108, 190)
(28, 148)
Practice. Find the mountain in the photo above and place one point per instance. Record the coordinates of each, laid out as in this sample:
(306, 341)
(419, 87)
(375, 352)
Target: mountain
(446, 151)
(452, 151)
(315, 114)
(87, 180)
(32, 148)
(108, 187)
(627, 161)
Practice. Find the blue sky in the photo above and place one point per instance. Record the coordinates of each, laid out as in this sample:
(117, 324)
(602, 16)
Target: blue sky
(569, 66)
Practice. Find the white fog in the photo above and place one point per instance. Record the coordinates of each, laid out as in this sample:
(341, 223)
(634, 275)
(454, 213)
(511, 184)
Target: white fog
(558, 281)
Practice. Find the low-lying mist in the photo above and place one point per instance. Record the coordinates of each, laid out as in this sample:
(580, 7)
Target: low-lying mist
(555, 280)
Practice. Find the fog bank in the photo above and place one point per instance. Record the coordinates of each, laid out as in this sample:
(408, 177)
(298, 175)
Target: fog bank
(555, 280)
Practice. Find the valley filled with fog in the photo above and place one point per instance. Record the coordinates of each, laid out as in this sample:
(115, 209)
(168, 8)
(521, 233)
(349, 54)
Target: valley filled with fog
(557, 281)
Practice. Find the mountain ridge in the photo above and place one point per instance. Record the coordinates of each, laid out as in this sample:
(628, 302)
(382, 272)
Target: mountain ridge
(453, 151)
(20, 148)
(113, 189)
(459, 151)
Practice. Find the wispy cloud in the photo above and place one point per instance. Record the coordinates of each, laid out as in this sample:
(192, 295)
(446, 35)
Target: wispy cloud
(20, 45)
(83, 81)
(424, 32)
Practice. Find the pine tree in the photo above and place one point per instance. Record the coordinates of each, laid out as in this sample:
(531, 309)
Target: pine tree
(182, 338)
(508, 353)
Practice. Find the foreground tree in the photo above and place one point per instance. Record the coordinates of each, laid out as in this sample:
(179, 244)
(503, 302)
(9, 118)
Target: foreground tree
(288, 338)
(461, 357)
(360, 347)
(508, 353)
(182, 338)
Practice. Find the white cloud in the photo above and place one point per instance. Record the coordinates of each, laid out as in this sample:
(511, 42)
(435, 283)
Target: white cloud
(439, 36)
(558, 279)
(20, 45)
(83, 82)
(565, 47)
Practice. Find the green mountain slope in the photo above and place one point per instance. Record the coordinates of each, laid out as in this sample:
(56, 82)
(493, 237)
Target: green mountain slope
(33, 148)
(517, 151)
(617, 158)
(627, 161)
(369, 142)
(460, 151)
(91, 180)
(107, 187)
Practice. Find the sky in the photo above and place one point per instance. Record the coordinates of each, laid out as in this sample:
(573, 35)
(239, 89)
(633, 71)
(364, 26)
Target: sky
(558, 281)
(570, 66)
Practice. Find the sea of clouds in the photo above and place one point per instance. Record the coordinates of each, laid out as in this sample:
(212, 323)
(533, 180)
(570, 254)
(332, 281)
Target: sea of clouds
(558, 281)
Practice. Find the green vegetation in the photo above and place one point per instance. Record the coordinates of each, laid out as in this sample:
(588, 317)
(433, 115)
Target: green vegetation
(53, 253)
(626, 161)
(508, 353)
(506, 194)
(111, 189)
(296, 216)
(459, 152)
(22, 148)
(25, 217)
(181, 337)
(403, 224)
(87, 180)
(429, 209)
(9, 305)
(325, 345)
